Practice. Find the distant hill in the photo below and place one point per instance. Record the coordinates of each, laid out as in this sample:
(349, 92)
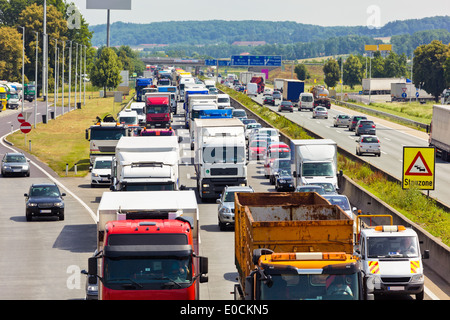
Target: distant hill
(272, 32)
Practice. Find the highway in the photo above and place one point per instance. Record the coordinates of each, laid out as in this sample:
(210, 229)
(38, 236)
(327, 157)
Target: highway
(393, 138)
(42, 259)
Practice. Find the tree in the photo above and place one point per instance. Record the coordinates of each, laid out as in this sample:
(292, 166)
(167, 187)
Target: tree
(428, 67)
(105, 72)
(11, 54)
(301, 72)
(331, 72)
(447, 72)
(353, 71)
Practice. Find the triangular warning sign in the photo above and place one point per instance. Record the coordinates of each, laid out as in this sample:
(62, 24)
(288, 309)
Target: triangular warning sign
(418, 167)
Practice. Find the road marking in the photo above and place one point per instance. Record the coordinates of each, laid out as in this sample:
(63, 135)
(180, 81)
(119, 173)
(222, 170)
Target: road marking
(89, 210)
(430, 294)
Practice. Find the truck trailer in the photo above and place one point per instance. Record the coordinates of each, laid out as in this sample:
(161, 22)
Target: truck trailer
(219, 155)
(439, 136)
(147, 247)
(141, 83)
(315, 160)
(294, 246)
(292, 90)
(146, 163)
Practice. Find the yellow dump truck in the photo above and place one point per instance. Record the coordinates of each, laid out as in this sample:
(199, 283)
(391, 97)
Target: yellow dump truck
(294, 246)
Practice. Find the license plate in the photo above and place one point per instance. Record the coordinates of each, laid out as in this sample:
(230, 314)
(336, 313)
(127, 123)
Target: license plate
(397, 288)
(46, 211)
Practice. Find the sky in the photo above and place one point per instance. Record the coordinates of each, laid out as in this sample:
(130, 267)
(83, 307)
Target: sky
(374, 13)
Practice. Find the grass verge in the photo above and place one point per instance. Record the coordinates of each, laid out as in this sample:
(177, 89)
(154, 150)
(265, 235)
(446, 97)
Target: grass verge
(62, 141)
(411, 203)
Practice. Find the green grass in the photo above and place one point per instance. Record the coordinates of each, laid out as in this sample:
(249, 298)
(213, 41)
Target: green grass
(62, 140)
(412, 203)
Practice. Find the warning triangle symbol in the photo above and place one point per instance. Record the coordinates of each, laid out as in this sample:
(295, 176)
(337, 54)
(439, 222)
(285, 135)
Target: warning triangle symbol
(418, 167)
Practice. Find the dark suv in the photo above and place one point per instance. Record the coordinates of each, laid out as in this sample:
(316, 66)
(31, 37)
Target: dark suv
(354, 120)
(365, 127)
(44, 199)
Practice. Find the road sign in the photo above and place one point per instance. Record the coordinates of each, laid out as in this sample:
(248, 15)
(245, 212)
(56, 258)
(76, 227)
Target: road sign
(271, 61)
(25, 127)
(417, 94)
(213, 62)
(404, 95)
(20, 118)
(418, 167)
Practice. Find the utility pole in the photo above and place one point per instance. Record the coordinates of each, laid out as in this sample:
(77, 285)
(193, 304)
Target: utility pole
(35, 78)
(70, 72)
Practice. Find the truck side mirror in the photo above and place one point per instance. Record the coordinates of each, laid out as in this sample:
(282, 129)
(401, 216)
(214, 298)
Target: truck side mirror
(426, 254)
(87, 134)
(203, 267)
(92, 270)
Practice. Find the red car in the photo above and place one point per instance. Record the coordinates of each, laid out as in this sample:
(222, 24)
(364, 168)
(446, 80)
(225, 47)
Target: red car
(257, 149)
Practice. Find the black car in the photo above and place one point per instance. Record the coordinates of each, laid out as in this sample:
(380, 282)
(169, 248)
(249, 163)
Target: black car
(269, 100)
(286, 105)
(44, 199)
(354, 120)
(284, 181)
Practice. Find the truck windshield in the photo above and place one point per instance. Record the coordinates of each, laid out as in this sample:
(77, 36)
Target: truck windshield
(128, 120)
(157, 109)
(2, 95)
(223, 154)
(149, 187)
(14, 96)
(149, 273)
(392, 247)
(291, 286)
(107, 134)
(317, 169)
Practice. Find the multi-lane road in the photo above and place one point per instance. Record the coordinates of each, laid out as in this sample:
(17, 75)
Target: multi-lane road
(42, 259)
(393, 138)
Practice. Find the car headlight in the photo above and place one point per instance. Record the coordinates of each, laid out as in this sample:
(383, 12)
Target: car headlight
(31, 204)
(282, 181)
(58, 204)
(417, 278)
(205, 185)
(94, 174)
(225, 210)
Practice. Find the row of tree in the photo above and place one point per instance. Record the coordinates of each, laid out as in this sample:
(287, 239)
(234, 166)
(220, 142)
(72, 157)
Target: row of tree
(272, 32)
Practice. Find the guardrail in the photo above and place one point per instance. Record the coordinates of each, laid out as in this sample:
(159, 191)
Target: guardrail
(439, 260)
(381, 113)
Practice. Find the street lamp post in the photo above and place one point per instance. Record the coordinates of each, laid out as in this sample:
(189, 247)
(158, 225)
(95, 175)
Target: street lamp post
(35, 78)
(70, 72)
(62, 78)
(55, 72)
(76, 71)
(23, 64)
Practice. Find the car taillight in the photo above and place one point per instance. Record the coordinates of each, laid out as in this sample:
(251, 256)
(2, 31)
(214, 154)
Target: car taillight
(360, 125)
(373, 126)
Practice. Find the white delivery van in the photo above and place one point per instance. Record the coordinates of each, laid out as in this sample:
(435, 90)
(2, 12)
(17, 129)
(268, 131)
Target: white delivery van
(306, 101)
(391, 260)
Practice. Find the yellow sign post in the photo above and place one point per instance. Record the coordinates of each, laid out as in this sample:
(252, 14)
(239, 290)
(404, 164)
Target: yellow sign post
(418, 167)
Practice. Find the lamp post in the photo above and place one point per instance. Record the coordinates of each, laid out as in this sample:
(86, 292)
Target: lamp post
(55, 73)
(35, 78)
(84, 78)
(76, 71)
(70, 72)
(23, 64)
(62, 78)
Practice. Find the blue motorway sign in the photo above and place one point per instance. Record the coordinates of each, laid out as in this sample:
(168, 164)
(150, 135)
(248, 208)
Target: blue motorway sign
(213, 62)
(274, 61)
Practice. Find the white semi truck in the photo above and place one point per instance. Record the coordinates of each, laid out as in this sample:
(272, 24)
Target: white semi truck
(219, 155)
(315, 161)
(148, 163)
(440, 131)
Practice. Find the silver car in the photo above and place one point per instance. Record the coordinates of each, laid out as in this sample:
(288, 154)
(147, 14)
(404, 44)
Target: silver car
(368, 144)
(226, 205)
(341, 120)
(320, 112)
(15, 163)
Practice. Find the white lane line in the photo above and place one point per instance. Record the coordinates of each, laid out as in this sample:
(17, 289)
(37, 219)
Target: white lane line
(89, 210)
(430, 294)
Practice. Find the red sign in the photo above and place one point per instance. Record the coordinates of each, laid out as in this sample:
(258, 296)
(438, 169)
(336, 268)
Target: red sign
(25, 127)
(21, 118)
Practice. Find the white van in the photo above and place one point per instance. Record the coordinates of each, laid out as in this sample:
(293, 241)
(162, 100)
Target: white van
(139, 107)
(391, 261)
(252, 89)
(306, 101)
(223, 101)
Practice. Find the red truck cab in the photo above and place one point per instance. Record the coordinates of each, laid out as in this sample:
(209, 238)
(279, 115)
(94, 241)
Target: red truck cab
(157, 111)
(149, 260)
